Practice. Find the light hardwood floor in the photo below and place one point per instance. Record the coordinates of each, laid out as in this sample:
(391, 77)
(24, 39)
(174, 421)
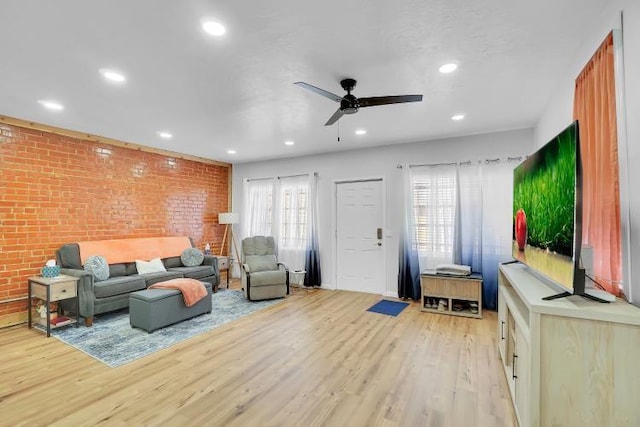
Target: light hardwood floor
(317, 359)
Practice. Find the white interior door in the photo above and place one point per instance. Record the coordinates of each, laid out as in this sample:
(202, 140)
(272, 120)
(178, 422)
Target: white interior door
(359, 237)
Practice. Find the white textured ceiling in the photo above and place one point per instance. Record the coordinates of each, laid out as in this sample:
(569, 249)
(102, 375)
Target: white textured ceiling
(236, 92)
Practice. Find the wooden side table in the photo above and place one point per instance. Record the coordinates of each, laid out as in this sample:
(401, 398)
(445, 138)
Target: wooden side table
(460, 290)
(50, 289)
(223, 265)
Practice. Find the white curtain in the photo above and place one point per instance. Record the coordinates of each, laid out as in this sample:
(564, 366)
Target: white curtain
(293, 220)
(257, 211)
(408, 263)
(312, 259)
(469, 216)
(434, 208)
(497, 201)
(461, 214)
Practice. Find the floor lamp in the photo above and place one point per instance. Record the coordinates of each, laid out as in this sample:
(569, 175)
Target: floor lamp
(228, 218)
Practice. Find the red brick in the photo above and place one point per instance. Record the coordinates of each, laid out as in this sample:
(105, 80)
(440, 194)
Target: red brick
(58, 189)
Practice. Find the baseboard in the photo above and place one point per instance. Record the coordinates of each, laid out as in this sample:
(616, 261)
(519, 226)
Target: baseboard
(390, 294)
(13, 319)
(328, 286)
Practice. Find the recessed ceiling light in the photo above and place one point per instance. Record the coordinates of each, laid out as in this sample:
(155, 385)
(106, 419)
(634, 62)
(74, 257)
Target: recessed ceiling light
(231, 151)
(361, 132)
(165, 135)
(214, 28)
(113, 75)
(457, 117)
(448, 68)
(51, 105)
(289, 143)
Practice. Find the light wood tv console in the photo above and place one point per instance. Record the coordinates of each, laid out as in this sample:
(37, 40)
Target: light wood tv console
(568, 362)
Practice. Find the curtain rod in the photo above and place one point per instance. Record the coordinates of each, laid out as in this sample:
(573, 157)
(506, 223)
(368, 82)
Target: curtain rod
(279, 177)
(295, 176)
(465, 163)
(260, 179)
(433, 164)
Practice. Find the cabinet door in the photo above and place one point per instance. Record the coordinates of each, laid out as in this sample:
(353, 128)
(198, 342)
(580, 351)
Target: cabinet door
(521, 368)
(502, 326)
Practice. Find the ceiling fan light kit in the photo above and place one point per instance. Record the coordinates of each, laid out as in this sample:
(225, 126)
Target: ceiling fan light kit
(349, 104)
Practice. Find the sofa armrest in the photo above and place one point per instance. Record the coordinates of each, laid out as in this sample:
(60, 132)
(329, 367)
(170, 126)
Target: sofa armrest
(246, 268)
(86, 295)
(286, 272)
(283, 265)
(212, 261)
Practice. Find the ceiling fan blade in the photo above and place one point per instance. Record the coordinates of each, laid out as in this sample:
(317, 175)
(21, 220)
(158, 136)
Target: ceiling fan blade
(334, 118)
(384, 100)
(322, 92)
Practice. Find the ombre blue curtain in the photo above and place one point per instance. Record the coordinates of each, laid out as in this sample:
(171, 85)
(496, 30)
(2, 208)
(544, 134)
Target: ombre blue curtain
(482, 230)
(409, 268)
(312, 256)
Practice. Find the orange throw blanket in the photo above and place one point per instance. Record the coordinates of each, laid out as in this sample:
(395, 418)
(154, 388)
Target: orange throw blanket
(128, 250)
(192, 290)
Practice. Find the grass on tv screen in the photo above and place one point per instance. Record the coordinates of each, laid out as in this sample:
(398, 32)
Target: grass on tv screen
(544, 198)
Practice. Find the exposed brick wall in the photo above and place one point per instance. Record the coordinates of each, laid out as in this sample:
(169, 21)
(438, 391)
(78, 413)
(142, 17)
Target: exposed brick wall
(56, 189)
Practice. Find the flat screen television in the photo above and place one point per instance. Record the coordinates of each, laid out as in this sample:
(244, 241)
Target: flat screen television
(547, 212)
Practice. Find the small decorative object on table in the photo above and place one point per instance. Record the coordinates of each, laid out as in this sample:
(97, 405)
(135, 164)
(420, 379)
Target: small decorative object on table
(50, 269)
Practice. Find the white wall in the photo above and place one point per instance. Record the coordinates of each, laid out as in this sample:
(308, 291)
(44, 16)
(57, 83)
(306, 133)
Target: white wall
(373, 163)
(559, 113)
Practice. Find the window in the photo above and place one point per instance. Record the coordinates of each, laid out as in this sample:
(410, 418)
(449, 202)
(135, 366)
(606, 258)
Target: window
(294, 201)
(433, 191)
(259, 212)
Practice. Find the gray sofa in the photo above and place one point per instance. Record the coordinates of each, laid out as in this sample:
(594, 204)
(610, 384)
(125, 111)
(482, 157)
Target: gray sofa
(96, 297)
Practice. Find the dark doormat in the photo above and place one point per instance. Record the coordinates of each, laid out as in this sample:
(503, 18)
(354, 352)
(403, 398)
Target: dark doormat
(390, 308)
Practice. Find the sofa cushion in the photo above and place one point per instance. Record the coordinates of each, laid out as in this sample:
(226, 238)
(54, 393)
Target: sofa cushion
(192, 257)
(197, 272)
(261, 262)
(152, 278)
(147, 267)
(98, 267)
(116, 270)
(130, 268)
(69, 256)
(172, 262)
(118, 286)
(266, 278)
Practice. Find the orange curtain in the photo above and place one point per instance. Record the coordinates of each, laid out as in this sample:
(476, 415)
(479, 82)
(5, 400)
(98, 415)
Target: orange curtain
(595, 109)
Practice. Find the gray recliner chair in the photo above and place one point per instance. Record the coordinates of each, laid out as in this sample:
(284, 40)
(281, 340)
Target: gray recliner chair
(263, 277)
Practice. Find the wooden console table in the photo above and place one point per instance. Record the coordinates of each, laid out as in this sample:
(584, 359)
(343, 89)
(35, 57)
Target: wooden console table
(568, 362)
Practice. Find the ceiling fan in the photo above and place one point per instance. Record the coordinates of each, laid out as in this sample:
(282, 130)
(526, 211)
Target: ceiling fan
(349, 104)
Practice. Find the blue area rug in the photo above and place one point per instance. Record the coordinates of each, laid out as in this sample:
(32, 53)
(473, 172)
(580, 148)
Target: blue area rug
(390, 308)
(114, 342)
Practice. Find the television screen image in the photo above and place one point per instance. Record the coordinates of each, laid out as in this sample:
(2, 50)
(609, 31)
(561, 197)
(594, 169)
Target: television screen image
(547, 209)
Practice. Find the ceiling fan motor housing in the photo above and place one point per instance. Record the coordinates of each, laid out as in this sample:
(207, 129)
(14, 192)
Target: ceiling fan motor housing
(349, 104)
(348, 84)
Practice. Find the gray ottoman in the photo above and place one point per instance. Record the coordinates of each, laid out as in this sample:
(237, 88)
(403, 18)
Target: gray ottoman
(153, 309)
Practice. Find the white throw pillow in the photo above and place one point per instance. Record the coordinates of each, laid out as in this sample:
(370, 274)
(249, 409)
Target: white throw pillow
(153, 266)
